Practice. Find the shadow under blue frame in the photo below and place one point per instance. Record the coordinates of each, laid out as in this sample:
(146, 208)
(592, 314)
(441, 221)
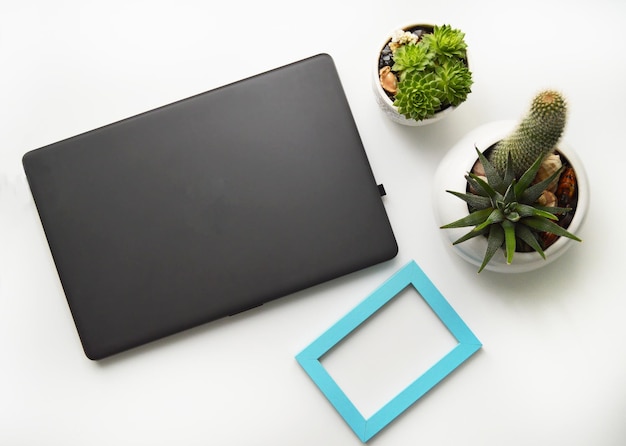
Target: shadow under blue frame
(309, 358)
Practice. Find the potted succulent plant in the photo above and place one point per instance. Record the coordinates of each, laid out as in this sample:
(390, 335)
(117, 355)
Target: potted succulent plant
(422, 73)
(524, 192)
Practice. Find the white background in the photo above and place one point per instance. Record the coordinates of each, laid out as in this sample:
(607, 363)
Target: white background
(553, 366)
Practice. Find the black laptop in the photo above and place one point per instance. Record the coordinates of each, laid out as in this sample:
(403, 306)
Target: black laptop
(209, 206)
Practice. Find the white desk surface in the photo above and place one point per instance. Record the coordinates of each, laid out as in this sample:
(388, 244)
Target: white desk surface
(552, 368)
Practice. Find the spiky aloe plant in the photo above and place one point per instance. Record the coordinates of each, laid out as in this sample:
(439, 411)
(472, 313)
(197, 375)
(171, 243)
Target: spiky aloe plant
(504, 210)
(536, 135)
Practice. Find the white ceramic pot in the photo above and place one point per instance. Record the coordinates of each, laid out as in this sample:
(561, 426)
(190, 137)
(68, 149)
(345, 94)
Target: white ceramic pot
(450, 175)
(386, 104)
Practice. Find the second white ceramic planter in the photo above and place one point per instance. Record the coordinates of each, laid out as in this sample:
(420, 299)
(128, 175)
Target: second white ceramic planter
(450, 175)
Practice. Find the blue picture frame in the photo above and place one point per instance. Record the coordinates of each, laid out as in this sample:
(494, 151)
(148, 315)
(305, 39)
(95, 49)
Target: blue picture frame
(410, 275)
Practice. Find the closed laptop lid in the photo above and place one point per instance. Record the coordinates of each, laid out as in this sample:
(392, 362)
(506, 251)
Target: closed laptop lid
(209, 206)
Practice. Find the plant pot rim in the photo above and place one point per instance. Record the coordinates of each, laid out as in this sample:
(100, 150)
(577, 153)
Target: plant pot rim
(450, 176)
(386, 104)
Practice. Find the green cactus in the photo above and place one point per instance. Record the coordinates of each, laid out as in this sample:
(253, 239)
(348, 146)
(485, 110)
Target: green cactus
(537, 134)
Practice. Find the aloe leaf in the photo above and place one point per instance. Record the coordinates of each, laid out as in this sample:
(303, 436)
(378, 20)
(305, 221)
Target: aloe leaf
(475, 218)
(494, 242)
(496, 216)
(486, 187)
(525, 210)
(510, 196)
(541, 224)
(471, 234)
(531, 194)
(475, 201)
(513, 216)
(493, 177)
(524, 233)
(509, 240)
(553, 209)
(476, 188)
(527, 177)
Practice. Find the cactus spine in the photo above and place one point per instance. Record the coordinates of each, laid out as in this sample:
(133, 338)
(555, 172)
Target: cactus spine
(537, 134)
